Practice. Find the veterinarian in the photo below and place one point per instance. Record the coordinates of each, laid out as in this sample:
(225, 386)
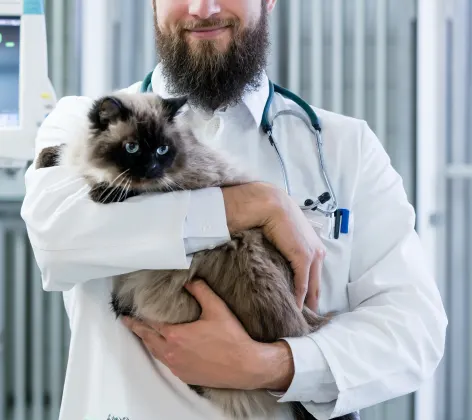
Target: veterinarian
(389, 335)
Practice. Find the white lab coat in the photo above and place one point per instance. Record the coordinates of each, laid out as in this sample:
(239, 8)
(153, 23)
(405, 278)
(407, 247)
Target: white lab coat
(387, 340)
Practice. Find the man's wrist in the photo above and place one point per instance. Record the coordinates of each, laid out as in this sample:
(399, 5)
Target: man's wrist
(249, 206)
(273, 367)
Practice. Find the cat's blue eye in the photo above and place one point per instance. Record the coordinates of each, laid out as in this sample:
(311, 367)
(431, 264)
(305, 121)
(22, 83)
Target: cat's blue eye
(132, 147)
(162, 150)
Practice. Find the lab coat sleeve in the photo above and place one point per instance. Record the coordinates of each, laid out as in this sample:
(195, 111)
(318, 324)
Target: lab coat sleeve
(75, 239)
(393, 337)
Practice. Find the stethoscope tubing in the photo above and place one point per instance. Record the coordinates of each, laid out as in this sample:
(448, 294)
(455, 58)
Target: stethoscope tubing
(333, 206)
(313, 126)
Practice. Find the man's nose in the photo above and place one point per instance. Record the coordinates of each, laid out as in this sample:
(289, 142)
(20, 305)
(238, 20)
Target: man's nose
(204, 9)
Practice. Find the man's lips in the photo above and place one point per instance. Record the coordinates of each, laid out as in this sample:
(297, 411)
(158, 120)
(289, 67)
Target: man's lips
(208, 32)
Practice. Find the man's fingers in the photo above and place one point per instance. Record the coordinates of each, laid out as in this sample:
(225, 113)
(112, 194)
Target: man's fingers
(161, 328)
(210, 302)
(157, 346)
(301, 279)
(141, 329)
(154, 342)
(314, 285)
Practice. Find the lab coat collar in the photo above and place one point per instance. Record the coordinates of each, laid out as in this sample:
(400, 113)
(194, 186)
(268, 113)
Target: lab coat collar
(254, 101)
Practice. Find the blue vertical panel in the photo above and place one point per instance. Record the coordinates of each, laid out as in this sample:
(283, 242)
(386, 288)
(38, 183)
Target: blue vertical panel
(33, 7)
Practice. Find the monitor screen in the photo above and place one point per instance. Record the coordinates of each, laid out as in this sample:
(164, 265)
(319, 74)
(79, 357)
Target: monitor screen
(9, 71)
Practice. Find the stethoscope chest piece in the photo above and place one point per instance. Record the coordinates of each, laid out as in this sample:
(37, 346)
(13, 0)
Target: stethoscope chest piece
(309, 204)
(326, 203)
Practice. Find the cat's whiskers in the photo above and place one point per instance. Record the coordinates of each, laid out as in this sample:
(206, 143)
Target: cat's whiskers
(119, 176)
(108, 195)
(173, 184)
(166, 183)
(101, 195)
(128, 186)
(177, 185)
(125, 189)
(112, 185)
(122, 190)
(115, 188)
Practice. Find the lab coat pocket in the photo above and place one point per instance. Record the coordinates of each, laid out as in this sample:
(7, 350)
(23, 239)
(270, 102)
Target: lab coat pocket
(319, 222)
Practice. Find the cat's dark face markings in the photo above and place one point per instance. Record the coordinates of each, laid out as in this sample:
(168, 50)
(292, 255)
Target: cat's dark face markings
(137, 145)
(146, 153)
(135, 140)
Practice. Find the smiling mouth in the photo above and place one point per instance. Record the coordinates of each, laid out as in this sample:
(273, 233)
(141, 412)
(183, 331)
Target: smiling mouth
(215, 28)
(208, 32)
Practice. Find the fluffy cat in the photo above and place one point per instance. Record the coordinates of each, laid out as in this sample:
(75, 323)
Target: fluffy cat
(137, 144)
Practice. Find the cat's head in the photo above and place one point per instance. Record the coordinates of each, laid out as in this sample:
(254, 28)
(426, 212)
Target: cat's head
(135, 140)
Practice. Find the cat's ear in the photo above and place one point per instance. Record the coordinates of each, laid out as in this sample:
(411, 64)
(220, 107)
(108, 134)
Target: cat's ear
(106, 111)
(173, 105)
(110, 109)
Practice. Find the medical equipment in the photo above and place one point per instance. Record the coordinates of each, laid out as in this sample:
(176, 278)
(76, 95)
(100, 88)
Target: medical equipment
(341, 216)
(27, 95)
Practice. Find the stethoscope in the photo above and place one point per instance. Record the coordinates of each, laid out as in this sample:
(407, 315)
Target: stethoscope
(327, 199)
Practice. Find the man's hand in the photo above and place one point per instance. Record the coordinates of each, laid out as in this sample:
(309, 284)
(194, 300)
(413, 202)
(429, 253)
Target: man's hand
(284, 224)
(216, 351)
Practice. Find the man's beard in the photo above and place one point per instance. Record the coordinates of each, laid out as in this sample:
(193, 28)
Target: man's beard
(208, 77)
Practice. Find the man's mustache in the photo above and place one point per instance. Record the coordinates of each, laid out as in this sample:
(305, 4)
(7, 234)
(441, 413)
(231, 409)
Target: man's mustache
(207, 23)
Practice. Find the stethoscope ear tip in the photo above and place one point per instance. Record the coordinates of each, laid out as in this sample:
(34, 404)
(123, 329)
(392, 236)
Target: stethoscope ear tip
(324, 198)
(309, 202)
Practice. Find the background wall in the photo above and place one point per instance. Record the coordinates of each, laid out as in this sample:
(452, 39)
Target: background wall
(357, 57)
(455, 222)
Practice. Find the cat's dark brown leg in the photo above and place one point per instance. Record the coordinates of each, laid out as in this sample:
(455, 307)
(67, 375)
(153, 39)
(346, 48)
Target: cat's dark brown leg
(104, 193)
(198, 389)
(48, 157)
(121, 308)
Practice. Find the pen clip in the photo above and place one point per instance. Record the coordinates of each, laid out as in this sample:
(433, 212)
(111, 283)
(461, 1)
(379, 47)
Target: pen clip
(341, 222)
(337, 223)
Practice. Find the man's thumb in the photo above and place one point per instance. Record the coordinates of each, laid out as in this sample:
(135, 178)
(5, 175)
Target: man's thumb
(212, 305)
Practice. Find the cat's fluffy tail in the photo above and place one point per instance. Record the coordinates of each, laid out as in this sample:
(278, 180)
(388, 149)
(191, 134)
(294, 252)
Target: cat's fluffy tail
(314, 320)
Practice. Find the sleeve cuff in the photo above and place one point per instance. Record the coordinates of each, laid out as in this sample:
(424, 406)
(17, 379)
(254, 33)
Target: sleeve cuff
(205, 226)
(313, 380)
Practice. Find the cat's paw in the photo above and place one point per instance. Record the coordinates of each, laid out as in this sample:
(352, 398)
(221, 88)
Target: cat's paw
(48, 157)
(104, 193)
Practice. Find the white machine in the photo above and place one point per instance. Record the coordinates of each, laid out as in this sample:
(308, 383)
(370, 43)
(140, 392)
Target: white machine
(26, 93)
